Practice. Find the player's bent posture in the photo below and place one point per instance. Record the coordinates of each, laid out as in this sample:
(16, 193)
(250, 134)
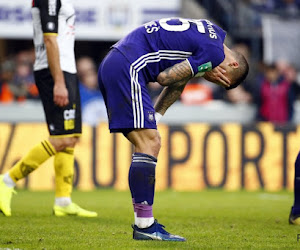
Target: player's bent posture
(55, 76)
(170, 51)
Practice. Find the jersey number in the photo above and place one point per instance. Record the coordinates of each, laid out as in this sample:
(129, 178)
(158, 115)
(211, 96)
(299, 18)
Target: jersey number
(185, 24)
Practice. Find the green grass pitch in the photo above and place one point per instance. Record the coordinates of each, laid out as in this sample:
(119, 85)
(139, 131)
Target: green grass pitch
(213, 219)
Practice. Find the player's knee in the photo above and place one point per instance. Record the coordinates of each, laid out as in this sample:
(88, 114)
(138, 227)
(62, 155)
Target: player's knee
(146, 141)
(154, 143)
(157, 142)
(64, 142)
(71, 142)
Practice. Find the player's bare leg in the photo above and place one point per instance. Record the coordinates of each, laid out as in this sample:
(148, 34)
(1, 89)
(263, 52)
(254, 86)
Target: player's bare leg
(142, 185)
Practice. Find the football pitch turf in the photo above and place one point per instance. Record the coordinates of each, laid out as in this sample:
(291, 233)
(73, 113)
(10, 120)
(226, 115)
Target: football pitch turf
(213, 219)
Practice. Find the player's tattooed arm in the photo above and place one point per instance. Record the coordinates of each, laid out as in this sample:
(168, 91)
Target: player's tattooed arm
(178, 72)
(169, 95)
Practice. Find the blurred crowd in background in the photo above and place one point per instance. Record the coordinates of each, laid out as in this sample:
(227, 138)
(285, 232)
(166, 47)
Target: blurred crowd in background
(272, 87)
(17, 84)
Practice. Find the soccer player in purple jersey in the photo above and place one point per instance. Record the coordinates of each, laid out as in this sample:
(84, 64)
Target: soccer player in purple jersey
(169, 51)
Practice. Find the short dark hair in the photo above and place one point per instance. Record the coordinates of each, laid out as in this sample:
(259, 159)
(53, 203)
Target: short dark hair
(241, 72)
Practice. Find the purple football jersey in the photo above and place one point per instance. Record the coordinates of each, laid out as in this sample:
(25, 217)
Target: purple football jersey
(138, 58)
(160, 44)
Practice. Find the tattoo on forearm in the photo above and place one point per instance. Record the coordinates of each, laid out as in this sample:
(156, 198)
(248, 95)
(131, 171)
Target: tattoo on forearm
(181, 71)
(174, 74)
(169, 95)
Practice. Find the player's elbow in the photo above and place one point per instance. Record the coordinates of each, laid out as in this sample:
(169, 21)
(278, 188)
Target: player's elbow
(49, 40)
(162, 79)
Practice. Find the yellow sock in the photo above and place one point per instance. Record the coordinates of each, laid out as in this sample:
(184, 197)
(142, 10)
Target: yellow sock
(64, 171)
(30, 162)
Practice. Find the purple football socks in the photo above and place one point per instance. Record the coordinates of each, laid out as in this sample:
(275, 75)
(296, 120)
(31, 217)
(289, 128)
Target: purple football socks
(142, 184)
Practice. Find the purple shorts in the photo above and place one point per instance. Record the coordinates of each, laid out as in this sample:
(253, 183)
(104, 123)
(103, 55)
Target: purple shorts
(125, 93)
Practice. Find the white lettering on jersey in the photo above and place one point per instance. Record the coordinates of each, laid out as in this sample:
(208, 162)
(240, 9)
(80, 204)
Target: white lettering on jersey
(52, 7)
(151, 27)
(211, 30)
(185, 25)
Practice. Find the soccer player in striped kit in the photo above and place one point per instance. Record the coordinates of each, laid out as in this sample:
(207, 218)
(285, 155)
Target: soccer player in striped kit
(169, 51)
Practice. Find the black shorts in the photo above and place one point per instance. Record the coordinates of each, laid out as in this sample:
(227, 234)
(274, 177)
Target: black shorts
(62, 121)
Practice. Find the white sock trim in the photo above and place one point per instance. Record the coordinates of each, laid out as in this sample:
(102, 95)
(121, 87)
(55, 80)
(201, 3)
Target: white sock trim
(63, 201)
(8, 181)
(143, 222)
